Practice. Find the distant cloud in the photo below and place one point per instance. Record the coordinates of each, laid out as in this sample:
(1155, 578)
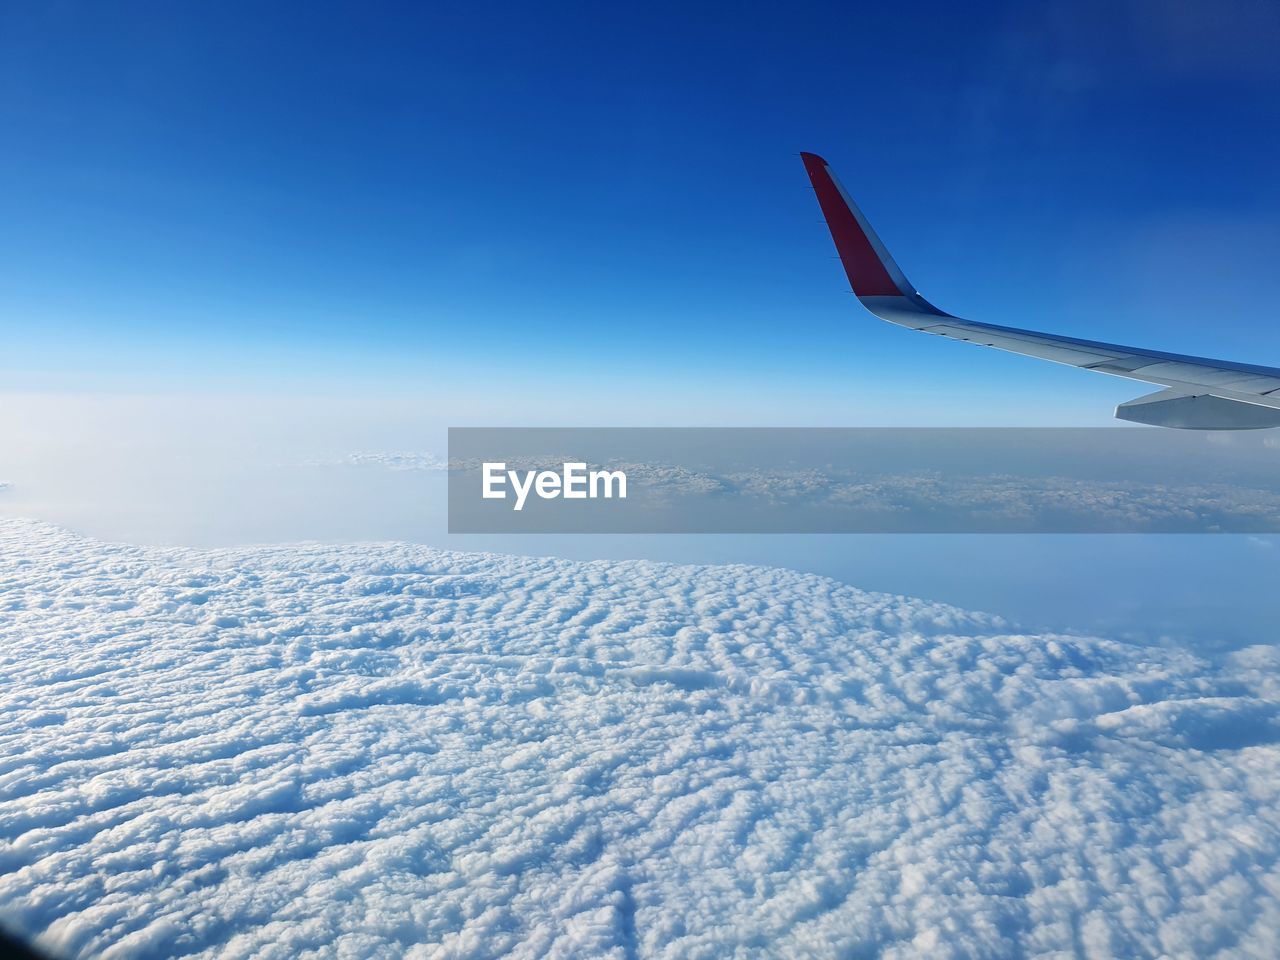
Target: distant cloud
(396, 750)
(937, 499)
(391, 461)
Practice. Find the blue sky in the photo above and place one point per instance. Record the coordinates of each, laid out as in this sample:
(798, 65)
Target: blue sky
(371, 197)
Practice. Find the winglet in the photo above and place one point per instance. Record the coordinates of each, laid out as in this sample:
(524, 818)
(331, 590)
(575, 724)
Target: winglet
(871, 271)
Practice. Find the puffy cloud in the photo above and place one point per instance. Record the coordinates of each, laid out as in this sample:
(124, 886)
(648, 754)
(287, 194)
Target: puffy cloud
(386, 750)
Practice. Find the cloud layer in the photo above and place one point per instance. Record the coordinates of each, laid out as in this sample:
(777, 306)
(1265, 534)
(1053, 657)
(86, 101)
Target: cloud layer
(391, 750)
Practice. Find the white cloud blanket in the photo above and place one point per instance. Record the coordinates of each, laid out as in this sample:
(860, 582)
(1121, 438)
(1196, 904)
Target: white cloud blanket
(391, 750)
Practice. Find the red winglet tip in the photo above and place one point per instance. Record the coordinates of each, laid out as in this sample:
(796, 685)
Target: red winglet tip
(867, 273)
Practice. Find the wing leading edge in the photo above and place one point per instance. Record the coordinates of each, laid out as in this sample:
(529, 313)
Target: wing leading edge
(1197, 394)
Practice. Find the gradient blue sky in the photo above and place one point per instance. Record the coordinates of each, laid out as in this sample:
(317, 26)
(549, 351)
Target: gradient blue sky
(376, 196)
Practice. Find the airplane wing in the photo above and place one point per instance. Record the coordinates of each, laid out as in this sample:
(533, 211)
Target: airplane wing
(1198, 394)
